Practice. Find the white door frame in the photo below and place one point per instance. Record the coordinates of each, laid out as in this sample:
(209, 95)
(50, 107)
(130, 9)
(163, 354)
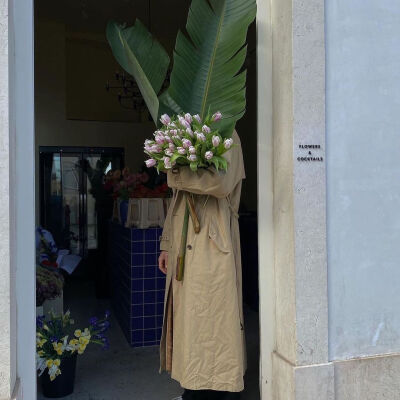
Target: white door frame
(22, 168)
(23, 171)
(265, 197)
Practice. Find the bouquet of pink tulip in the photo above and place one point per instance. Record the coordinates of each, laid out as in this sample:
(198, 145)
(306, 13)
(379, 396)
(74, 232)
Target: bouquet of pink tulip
(187, 140)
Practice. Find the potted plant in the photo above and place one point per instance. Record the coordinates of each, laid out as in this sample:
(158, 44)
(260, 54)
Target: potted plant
(57, 348)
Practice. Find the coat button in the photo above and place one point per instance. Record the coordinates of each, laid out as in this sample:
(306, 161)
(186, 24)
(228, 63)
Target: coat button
(189, 247)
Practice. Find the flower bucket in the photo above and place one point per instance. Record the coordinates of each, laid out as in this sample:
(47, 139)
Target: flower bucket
(123, 211)
(63, 385)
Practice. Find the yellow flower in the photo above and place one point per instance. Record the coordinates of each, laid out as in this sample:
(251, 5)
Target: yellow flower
(73, 342)
(45, 327)
(86, 332)
(58, 347)
(78, 333)
(57, 362)
(81, 348)
(40, 342)
(49, 363)
(41, 353)
(83, 340)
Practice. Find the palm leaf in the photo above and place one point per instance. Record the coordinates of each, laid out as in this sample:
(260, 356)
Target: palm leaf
(206, 72)
(143, 57)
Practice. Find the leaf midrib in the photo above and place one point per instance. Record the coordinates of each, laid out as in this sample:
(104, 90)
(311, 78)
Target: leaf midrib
(208, 82)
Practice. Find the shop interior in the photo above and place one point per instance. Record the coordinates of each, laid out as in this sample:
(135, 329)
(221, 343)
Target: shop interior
(90, 121)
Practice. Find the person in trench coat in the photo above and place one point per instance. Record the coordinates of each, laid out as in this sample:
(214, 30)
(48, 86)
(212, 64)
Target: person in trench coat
(202, 344)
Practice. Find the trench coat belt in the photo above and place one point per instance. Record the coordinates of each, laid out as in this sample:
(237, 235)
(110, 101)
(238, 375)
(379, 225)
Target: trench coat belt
(233, 211)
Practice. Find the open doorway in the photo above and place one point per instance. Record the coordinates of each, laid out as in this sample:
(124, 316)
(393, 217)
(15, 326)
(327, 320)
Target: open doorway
(74, 111)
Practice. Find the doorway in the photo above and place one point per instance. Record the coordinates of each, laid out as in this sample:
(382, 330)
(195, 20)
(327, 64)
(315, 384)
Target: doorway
(90, 137)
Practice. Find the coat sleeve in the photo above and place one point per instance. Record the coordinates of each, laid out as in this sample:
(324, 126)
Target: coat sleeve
(209, 181)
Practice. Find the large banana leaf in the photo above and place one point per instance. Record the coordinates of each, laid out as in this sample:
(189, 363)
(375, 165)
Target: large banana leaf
(141, 56)
(206, 67)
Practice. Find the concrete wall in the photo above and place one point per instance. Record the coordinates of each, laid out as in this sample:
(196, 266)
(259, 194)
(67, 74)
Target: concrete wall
(363, 164)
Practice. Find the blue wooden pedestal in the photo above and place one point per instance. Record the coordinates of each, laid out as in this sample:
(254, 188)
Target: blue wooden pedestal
(138, 286)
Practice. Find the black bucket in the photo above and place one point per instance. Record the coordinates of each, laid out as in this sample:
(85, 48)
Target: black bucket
(63, 385)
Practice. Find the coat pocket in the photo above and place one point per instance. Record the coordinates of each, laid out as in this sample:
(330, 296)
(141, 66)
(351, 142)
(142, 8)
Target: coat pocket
(217, 238)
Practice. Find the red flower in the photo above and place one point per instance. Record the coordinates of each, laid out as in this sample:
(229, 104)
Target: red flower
(48, 263)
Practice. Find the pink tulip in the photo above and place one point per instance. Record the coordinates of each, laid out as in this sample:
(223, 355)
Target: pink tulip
(173, 132)
(167, 162)
(155, 149)
(165, 119)
(168, 139)
(151, 162)
(160, 139)
(197, 118)
(200, 136)
(206, 129)
(171, 146)
(217, 116)
(209, 155)
(181, 150)
(188, 118)
(148, 142)
(169, 152)
(186, 143)
(228, 143)
(189, 132)
(216, 140)
(192, 157)
(184, 123)
(192, 150)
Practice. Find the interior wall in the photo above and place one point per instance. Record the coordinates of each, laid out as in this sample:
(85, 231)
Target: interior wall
(52, 126)
(363, 171)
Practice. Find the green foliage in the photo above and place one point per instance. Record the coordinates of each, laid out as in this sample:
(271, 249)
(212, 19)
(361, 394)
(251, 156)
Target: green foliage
(206, 73)
(207, 63)
(143, 57)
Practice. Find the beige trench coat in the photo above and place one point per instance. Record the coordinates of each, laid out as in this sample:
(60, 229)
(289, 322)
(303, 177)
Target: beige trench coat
(208, 344)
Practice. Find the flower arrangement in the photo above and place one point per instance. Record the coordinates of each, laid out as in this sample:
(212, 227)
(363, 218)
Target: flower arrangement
(55, 343)
(126, 185)
(49, 285)
(48, 251)
(187, 140)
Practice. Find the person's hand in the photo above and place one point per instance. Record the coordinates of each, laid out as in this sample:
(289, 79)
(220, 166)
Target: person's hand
(163, 262)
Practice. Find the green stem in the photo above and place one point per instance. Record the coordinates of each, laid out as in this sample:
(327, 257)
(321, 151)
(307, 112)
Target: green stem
(182, 251)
